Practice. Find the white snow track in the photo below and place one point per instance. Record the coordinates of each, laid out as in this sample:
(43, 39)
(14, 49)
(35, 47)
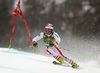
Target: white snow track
(22, 62)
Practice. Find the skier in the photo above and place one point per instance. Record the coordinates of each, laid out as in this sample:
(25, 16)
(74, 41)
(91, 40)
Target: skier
(51, 40)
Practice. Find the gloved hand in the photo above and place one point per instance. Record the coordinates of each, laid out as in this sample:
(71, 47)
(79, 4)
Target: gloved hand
(51, 44)
(35, 44)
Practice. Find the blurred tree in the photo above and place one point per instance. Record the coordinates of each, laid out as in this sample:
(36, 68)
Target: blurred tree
(4, 21)
(79, 16)
(4, 15)
(83, 16)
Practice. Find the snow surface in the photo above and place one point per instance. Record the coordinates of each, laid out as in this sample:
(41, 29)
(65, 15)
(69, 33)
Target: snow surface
(22, 62)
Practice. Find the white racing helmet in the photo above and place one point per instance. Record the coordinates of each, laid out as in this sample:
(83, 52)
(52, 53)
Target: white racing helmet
(50, 26)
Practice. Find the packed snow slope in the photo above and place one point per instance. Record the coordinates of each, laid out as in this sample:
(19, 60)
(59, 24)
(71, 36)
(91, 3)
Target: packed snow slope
(21, 62)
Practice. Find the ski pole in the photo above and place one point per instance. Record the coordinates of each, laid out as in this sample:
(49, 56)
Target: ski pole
(72, 52)
(76, 53)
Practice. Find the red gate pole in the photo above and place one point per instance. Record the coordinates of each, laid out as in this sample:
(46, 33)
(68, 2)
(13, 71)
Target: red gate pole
(29, 34)
(12, 32)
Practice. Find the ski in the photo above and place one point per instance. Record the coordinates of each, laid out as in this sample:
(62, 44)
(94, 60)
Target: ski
(57, 63)
(64, 64)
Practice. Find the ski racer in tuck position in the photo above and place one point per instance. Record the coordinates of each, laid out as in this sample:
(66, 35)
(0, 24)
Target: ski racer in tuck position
(51, 40)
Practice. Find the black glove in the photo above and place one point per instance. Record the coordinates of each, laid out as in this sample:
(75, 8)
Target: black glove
(35, 44)
(51, 44)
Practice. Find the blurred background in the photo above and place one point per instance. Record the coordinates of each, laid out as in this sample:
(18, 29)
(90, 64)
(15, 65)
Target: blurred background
(76, 21)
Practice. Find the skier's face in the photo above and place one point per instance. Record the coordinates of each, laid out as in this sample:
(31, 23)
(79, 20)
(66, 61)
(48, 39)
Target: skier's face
(48, 31)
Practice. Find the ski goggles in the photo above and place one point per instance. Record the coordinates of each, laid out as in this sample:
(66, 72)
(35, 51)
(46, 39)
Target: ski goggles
(48, 29)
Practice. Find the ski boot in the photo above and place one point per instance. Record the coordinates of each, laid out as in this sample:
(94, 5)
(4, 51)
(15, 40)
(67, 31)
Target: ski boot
(60, 60)
(74, 65)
